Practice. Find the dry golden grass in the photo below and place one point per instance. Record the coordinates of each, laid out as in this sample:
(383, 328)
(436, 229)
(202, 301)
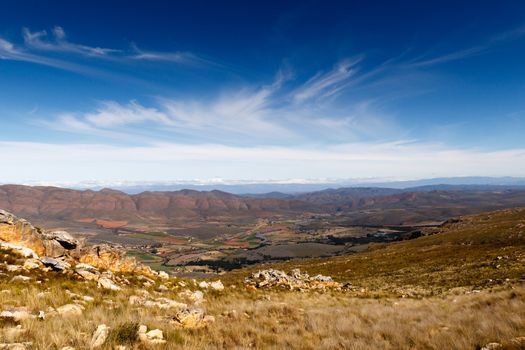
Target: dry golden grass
(279, 319)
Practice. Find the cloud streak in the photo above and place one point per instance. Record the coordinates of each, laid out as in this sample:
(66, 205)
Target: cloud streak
(36, 40)
(38, 43)
(477, 50)
(328, 84)
(165, 161)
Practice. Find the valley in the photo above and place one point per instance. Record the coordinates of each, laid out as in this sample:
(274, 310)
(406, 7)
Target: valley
(191, 233)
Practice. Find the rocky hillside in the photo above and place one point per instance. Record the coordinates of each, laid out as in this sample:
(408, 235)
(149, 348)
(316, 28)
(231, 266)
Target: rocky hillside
(475, 251)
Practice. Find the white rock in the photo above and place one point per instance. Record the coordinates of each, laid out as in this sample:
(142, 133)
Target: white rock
(217, 285)
(153, 337)
(15, 315)
(99, 336)
(20, 250)
(164, 275)
(106, 283)
(142, 329)
(86, 267)
(204, 285)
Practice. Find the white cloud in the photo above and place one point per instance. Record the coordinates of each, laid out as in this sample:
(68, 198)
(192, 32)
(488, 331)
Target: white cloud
(179, 57)
(111, 114)
(8, 51)
(327, 84)
(167, 161)
(37, 40)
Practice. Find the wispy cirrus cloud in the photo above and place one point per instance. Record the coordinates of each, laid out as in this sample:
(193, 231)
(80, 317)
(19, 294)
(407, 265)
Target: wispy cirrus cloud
(268, 113)
(328, 84)
(9, 51)
(59, 43)
(483, 48)
(41, 47)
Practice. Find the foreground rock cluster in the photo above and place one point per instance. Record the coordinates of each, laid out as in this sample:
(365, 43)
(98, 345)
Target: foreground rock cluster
(295, 280)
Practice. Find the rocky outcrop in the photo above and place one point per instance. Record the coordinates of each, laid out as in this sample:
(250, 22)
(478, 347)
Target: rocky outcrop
(294, 280)
(59, 250)
(106, 257)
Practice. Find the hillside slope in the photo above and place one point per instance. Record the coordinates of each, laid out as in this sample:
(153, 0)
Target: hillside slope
(473, 251)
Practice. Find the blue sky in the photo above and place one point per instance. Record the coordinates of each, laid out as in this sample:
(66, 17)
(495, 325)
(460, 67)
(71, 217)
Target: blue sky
(164, 90)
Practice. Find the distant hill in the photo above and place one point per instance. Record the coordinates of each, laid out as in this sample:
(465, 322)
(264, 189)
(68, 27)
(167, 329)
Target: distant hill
(293, 187)
(66, 204)
(354, 206)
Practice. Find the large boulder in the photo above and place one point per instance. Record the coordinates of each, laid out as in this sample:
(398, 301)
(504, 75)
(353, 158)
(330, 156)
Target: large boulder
(55, 264)
(60, 243)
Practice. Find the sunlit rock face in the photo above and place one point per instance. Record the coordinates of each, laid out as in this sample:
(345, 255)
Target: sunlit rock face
(20, 232)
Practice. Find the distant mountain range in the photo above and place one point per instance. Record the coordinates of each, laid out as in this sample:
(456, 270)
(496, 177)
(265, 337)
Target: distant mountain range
(359, 205)
(254, 187)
